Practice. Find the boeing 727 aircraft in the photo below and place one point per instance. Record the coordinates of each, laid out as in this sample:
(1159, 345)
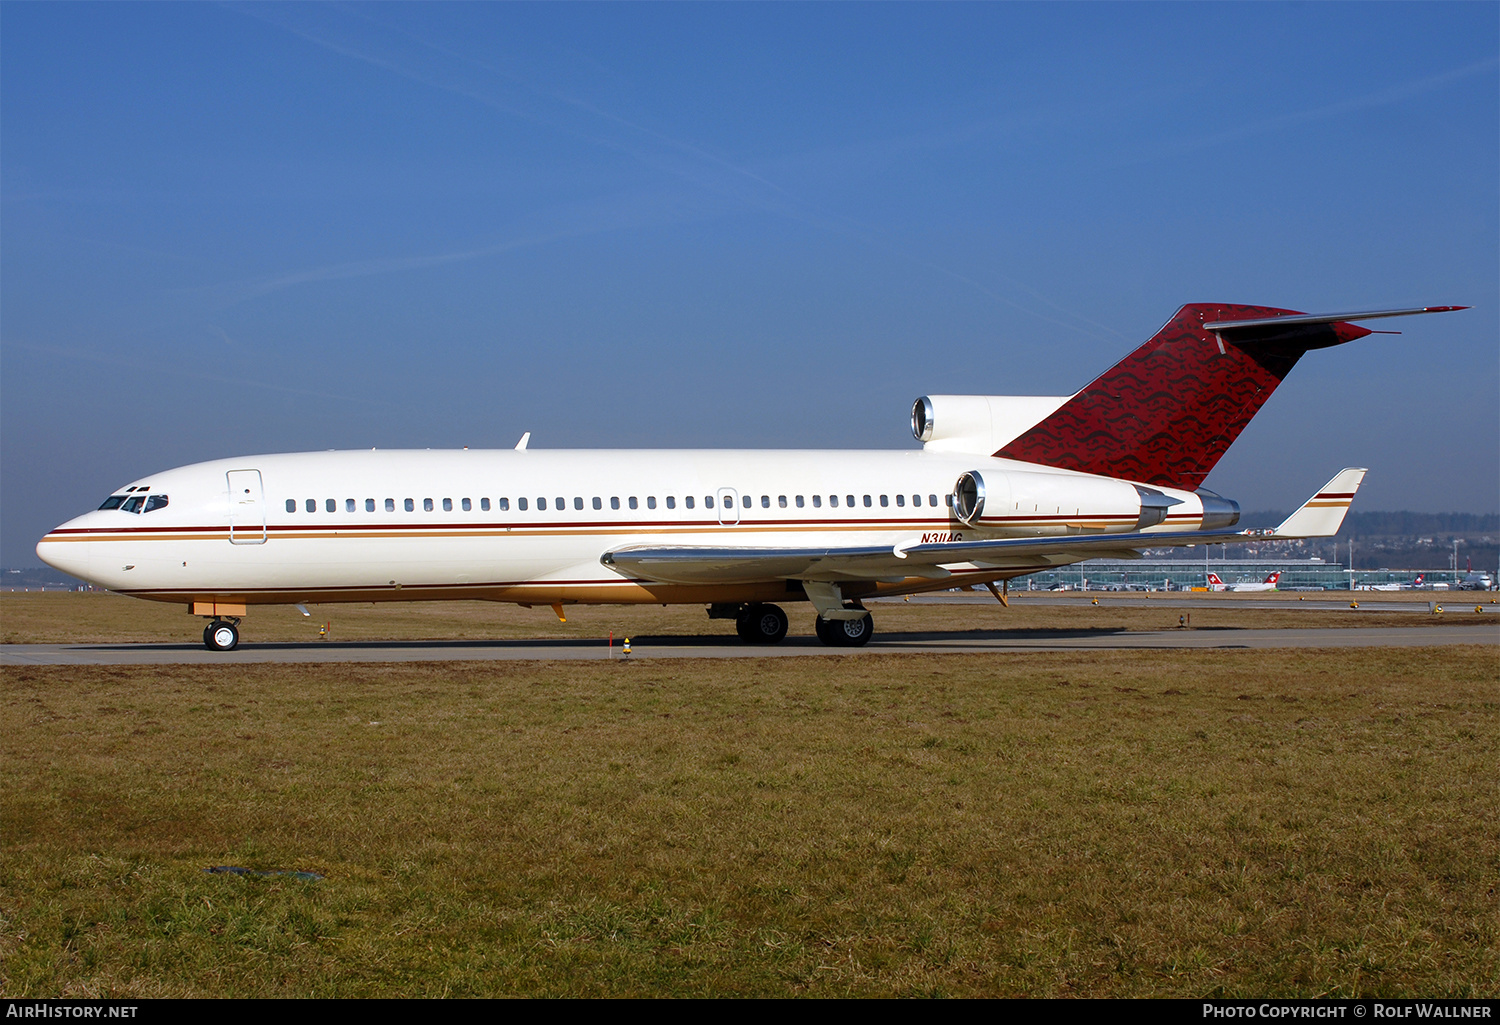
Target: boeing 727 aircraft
(1003, 486)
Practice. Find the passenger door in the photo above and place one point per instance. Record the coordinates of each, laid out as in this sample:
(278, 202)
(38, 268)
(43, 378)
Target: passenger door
(247, 508)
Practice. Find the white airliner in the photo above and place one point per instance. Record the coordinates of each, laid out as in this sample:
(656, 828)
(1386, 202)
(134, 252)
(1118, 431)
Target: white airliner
(1003, 486)
(1268, 584)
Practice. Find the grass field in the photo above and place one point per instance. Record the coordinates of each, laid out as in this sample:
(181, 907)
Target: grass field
(1112, 824)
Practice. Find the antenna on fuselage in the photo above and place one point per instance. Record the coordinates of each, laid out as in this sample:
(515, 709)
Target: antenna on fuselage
(521, 445)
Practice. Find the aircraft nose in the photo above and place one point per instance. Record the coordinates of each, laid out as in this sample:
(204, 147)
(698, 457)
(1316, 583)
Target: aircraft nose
(70, 556)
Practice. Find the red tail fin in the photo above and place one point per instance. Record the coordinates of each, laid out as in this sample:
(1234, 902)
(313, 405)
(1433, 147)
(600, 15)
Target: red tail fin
(1168, 411)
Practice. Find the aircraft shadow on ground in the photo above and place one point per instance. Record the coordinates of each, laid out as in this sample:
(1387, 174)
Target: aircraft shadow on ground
(664, 640)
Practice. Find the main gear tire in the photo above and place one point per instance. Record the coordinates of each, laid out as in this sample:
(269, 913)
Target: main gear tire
(846, 633)
(761, 624)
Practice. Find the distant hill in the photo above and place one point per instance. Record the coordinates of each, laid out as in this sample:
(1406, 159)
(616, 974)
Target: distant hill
(1394, 524)
(1404, 540)
(35, 579)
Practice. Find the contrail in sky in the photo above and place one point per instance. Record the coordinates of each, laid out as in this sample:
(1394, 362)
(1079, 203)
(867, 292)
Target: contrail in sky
(1379, 98)
(442, 75)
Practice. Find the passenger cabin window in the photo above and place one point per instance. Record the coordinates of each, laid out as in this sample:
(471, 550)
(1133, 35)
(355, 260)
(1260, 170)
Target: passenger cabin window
(650, 501)
(900, 500)
(369, 505)
(332, 505)
(833, 501)
(884, 501)
(688, 501)
(447, 505)
(312, 505)
(849, 500)
(781, 501)
(867, 501)
(799, 502)
(817, 501)
(541, 503)
(598, 502)
(745, 501)
(484, 504)
(633, 503)
(390, 505)
(932, 500)
(577, 502)
(614, 502)
(427, 505)
(521, 504)
(562, 503)
(350, 505)
(671, 501)
(466, 505)
(765, 501)
(708, 501)
(409, 505)
(291, 505)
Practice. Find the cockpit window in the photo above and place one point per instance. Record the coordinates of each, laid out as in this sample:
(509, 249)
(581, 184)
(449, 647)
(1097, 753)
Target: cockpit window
(137, 503)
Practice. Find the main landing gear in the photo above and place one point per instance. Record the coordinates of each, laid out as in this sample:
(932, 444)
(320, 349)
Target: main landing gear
(845, 633)
(761, 624)
(221, 635)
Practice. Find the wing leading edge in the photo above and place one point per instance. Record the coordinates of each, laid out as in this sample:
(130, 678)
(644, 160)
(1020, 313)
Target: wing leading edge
(1319, 516)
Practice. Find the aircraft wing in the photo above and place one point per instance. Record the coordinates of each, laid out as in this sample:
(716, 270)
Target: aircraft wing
(1319, 516)
(699, 565)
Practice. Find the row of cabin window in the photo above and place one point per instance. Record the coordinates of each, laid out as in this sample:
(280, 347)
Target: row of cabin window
(350, 505)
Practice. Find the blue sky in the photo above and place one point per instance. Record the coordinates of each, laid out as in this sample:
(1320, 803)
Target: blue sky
(236, 229)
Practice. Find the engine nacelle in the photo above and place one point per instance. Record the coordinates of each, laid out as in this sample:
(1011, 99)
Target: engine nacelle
(979, 424)
(1031, 503)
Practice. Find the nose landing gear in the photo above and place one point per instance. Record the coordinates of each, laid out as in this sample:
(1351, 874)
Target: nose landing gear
(221, 635)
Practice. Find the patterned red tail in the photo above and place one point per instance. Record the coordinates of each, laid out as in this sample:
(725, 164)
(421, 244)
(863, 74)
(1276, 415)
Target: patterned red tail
(1166, 413)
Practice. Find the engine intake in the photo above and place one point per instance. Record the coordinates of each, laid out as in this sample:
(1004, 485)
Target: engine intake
(968, 498)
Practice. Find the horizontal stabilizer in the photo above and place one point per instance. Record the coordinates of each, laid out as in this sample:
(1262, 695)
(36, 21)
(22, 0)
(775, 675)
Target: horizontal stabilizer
(1323, 513)
(1323, 318)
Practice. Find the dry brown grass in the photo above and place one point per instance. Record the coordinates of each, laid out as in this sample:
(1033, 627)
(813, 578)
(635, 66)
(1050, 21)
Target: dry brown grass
(69, 617)
(1123, 823)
